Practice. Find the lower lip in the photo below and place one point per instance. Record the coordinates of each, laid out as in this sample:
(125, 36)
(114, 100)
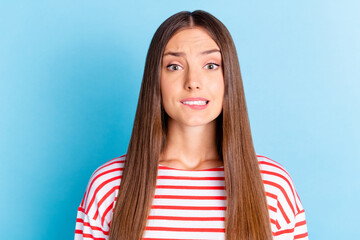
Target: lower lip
(197, 107)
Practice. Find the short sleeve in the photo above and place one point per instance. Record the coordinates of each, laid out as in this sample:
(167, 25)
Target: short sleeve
(293, 226)
(87, 228)
(95, 212)
(286, 212)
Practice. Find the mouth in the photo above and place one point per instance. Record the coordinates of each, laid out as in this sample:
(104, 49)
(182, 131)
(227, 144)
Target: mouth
(195, 101)
(200, 103)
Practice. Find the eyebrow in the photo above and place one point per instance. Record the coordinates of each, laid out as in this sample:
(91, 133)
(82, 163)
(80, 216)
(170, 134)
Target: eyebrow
(178, 54)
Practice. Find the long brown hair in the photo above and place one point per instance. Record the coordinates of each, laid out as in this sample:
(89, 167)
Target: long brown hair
(247, 216)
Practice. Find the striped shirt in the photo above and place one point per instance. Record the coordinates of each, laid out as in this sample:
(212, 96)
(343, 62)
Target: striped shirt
(189, 204)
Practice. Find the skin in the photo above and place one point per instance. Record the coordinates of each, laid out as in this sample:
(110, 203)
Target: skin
(190, 69)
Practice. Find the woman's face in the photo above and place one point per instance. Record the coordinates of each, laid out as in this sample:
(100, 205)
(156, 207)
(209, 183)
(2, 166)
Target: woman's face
(192, 82)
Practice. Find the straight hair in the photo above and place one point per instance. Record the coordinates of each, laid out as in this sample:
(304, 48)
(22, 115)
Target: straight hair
(247, 216)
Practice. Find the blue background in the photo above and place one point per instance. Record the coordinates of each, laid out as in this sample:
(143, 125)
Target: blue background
(70, 74)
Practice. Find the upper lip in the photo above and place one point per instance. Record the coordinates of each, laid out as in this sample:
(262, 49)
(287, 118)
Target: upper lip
(194, 99)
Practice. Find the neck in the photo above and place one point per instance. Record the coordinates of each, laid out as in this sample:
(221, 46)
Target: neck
(190, 147)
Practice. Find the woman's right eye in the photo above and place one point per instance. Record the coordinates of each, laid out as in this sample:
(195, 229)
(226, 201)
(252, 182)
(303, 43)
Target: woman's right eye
(173, 67)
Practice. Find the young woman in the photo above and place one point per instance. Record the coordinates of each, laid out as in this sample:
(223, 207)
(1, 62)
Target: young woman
(191, 171)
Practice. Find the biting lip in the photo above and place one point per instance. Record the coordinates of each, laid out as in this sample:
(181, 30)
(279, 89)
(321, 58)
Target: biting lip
(198, 103)
(194, 99)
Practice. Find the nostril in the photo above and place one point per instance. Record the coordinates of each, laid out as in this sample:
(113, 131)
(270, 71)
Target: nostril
(192, 85)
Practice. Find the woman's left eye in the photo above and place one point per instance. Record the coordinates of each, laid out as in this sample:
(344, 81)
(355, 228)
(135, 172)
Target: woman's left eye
(211, 66)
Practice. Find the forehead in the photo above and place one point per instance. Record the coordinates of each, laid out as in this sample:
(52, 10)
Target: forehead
(191, 39)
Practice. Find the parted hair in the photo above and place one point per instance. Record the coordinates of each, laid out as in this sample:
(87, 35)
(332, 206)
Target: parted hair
(247, 216)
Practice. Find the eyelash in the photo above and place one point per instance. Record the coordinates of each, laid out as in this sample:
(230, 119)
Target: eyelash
(171, 65)
(216, 65)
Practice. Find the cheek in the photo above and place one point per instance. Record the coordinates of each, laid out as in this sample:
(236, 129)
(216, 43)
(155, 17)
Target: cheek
(165, 90)
(221, 85)
(170, 88)
(218, 87)
(169, 94)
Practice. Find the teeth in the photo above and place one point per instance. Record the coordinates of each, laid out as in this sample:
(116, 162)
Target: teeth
(195, 102)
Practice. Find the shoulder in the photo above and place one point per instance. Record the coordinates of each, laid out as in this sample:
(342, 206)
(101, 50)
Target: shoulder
(283, 200)
(112, 168)
(102, 189)
(274, 169)
(106, 174)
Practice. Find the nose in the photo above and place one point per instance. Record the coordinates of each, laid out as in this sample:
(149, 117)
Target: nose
(192, 79)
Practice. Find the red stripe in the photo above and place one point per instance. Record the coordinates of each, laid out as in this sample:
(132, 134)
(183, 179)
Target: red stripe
(272, 208)
(298, 224)
(104, 198)
(301, 235)
(283, 212)
(102, 174)
(95, 228)
(185, 229)
(219, 169)
(284, 232)
(270, 160)
(187, 207)
(186, 218)
(192, 187)
(283, 192)
(80, 209)
(87, 235)
(79, 220)
(285, 179)
(302, 211)
(271, 195)
(190, 197)
(108, 163)
(276, 223)
(99, 188)
(275, 165)
(279, 166)
(190, 178)
(106, 212)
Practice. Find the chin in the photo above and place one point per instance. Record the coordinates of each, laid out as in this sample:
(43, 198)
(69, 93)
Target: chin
(198, 123)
